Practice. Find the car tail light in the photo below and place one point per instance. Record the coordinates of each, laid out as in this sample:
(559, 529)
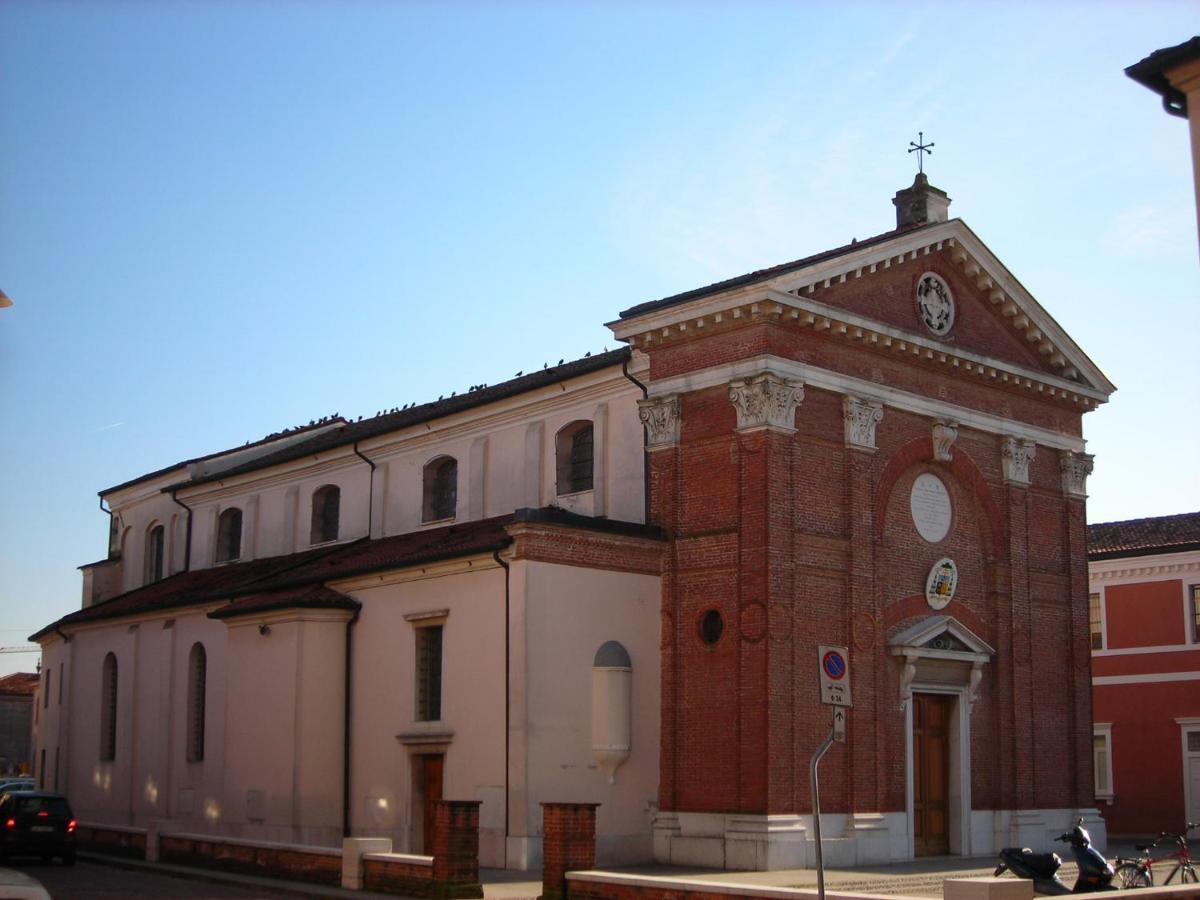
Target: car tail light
(43, 815)
(11, 823)
(71, 827)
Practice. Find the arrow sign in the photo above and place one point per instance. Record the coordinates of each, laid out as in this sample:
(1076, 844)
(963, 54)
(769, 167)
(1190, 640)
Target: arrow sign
(839, 724)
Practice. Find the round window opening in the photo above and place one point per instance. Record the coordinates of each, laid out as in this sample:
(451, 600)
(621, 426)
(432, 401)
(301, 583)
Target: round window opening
(935, 304)
(711, 627)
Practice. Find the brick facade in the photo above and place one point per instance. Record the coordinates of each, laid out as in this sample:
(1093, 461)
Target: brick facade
(799, 533)
(569, 844)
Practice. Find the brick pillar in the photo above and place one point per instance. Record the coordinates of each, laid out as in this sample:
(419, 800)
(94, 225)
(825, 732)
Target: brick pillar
(568, 844)
(1083, 788)
(456, 849)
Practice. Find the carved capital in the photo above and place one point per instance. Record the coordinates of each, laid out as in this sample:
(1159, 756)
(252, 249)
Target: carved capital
(944, 434)
(1076, 467)
(766, 401)
(861, 416)
(1015, 456)
(661, 417)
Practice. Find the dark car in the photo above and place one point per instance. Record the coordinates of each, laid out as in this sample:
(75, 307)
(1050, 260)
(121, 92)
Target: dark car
(35, 823)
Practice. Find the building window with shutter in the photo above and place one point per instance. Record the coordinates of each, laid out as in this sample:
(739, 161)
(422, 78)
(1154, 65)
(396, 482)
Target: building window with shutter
(429, 673)
(108, 708)
(229, 535)
(197, 681)
(439, 489)
(1195, 613)
(155, 548)
(1102, 760)
(326, 510)
(574, 458)
(1096, 621)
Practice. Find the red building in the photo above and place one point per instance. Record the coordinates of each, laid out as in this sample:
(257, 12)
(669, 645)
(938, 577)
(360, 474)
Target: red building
(878, 447)
(1145, 622)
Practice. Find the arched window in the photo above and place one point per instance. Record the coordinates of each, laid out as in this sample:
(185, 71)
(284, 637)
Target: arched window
(229, 535)
(440, 494)
(108, 708)
(156, 540)
(326, 507)
(573, 450)
(197, 680)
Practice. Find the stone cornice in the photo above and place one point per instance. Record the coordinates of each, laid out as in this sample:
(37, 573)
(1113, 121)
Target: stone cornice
(792, 295)
(816, 377)
(1157, 566)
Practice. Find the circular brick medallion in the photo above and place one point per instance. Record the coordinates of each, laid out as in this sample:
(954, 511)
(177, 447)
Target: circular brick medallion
(754, 622)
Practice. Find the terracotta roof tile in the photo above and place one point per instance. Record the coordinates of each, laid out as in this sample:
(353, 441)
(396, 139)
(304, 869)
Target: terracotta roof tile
(19, 684)
(1144, 537)
(303, 597)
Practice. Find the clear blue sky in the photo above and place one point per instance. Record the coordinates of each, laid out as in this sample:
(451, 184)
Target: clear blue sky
(221, 219)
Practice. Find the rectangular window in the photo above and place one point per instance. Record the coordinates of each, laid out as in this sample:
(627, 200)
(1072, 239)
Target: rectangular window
(60, 674)
(56, 768)
(1095, 622)
(42, 771)
(1102, 761)
(429, 673)
(1195, 623)
(46, 688)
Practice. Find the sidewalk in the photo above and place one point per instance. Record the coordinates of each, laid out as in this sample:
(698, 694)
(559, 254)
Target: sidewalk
(911, 878)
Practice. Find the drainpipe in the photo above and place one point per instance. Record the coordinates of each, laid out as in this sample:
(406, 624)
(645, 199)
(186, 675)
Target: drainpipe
(370, 490)
(187, 541)
(645, 452)
(110, 528)
(346, 726)
(507, 703)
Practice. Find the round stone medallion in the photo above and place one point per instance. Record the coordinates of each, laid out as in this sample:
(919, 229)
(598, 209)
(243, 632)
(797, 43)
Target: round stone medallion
(935, 303)
(929, 502)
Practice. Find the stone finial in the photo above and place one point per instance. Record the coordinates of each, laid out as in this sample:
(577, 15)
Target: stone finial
(861, 416)
(921, 204)
(766, 401)
(1076, 467)
(1015, 456)
(661, 417)
(944, 435)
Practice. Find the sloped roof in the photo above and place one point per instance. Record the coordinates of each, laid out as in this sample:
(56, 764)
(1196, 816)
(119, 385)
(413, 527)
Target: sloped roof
(19, 684)
(297, 580)
(1151, 72)
(350, 432)
(766, 274)
(1144, 537)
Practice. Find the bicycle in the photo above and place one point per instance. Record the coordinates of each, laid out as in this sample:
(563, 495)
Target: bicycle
(1136, 873)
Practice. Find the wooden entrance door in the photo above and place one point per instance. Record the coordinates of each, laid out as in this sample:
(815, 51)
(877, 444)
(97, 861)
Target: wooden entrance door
(931, 774)
(430, 775)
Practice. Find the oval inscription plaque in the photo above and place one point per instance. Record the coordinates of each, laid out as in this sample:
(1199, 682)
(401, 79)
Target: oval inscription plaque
(930, 505)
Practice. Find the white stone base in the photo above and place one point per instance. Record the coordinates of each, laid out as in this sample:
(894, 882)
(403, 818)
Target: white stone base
(762, 843)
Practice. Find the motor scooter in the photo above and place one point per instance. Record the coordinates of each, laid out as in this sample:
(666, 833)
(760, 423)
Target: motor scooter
(1095, 873)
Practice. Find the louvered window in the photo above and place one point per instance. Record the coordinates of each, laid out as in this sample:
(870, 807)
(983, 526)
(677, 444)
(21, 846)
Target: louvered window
(229, 535)
(440, 489)
(326, 508)
(155, 546)
(108, 708)
(575, 457)
(429, 673)
(197, 681)
(1095, 622)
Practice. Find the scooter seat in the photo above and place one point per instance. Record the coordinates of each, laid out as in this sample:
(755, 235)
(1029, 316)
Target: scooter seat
(1044, 864)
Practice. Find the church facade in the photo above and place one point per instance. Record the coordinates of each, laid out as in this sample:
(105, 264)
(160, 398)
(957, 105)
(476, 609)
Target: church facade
(608, 581)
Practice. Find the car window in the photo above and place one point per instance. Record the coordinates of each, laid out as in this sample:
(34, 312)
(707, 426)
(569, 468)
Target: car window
(56, 806)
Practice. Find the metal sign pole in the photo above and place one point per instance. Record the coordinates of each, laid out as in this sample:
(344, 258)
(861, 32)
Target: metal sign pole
(816, 806)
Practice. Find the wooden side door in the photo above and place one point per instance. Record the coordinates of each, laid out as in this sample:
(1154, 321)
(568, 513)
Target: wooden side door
(931, 774)
(431, 792)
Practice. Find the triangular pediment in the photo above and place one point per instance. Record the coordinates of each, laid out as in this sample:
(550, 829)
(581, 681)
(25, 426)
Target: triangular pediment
(940, 634)
(1000, 334)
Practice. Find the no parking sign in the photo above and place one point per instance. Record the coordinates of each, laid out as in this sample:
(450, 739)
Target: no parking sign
(835, 675)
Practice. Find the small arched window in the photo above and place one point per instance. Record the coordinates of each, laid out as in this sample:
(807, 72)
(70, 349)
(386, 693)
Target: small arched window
(440, 494)
(229, 535)
(197, 680)
(573, 451)
(108, 708)
(156, 541)
(326, 507)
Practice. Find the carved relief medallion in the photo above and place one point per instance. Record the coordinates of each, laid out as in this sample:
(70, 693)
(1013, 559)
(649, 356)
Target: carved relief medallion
(929, 502)
(753, 622)
(935, 304)
(941, 583)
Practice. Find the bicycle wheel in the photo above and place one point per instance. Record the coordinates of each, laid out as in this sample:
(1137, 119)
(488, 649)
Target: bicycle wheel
(1131, 875)
(1188, 875)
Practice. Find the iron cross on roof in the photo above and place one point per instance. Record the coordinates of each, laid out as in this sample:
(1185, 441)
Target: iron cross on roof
(921, 148)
